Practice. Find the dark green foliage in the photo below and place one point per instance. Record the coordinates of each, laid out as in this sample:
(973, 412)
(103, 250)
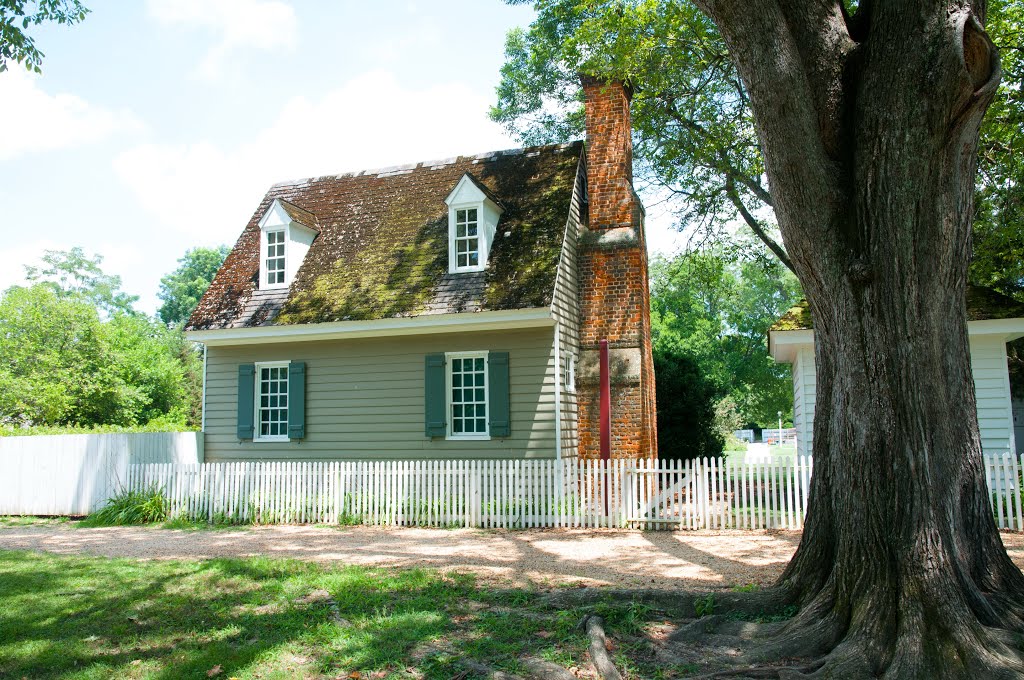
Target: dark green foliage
(998, 256)
(686, 408)
(716, 309)
(15, 43)
(181, 290)
(131, 507)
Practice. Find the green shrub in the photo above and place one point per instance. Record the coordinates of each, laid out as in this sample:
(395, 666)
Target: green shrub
(132, 507)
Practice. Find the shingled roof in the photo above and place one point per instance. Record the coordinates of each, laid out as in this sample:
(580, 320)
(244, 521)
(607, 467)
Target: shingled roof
(982, 304)
(382, 250)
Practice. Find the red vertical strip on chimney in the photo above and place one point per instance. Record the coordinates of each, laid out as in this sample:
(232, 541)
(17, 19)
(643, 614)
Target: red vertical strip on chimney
(606, 405)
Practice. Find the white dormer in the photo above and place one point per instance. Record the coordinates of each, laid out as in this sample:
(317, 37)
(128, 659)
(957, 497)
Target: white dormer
(286, 232)
(472, 220)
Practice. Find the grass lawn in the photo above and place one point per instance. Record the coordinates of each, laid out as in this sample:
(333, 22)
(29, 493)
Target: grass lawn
(86, 617)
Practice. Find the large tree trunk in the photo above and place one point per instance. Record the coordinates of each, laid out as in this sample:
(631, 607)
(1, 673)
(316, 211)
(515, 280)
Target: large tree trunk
(869, 126)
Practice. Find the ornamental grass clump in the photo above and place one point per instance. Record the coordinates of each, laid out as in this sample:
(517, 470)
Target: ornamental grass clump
(132, 507)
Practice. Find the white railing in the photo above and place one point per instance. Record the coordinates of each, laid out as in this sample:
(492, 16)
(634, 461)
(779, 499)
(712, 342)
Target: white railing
(727, 493)
(74, 474)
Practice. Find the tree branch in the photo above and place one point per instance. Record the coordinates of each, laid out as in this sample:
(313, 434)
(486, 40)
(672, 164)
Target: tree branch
(755, 226)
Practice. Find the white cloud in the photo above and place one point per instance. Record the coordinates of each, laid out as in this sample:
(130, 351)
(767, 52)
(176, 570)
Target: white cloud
(239, 24)
(33, 120)
(208, 193)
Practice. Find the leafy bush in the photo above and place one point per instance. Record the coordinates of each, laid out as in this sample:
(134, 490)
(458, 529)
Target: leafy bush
(132, 507)
(167, 424)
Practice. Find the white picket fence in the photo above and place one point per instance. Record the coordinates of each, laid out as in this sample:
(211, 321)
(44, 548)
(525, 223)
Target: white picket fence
(649, 494)
(74, 474)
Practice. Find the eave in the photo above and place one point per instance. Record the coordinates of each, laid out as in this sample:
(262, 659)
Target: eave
(537, 317)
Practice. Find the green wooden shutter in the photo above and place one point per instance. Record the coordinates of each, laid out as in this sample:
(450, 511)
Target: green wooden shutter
(498, 420)
(296, 400)
(434, 411)
(246, 386)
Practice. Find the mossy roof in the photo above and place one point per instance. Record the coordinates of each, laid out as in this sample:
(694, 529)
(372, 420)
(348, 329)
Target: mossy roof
(982, 303)
(382, 250)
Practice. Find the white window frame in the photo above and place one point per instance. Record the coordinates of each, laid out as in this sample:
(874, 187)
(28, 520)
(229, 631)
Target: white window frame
(466, 436)
(570, 373)
(257, 391)
(265, 271)
(481, 245)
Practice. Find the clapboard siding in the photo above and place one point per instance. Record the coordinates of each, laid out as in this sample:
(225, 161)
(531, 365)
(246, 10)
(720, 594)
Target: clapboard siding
(565, 306)
(992, 390)
(804, 393)
(364, 398)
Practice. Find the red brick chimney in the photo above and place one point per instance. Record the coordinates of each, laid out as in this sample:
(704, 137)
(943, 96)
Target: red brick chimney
(614, 292)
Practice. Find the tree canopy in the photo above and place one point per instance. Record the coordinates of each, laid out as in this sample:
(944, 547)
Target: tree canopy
(75, 352)
(181, 290)
(18, 16)
(716, 310)
(695, 140)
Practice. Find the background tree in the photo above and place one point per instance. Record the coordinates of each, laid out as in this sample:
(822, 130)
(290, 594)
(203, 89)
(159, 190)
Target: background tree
(17, 16)
(716, 308)
(686, 408)
(181, 289)
(867, 118)
(71, 273)
(74, 352)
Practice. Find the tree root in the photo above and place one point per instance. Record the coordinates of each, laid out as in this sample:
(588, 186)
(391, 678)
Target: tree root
(544, 670)
(599, 648)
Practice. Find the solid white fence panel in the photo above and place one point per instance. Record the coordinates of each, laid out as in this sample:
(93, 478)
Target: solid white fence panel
(75, 474)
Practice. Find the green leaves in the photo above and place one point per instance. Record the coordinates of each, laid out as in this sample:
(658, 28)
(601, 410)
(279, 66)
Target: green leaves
(15, 43)
(181, 289)
(716, 309)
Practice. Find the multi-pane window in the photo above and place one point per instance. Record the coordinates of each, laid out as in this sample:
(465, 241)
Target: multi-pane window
(275, 258)
(468, 394)
(272, 401)
(467, 238)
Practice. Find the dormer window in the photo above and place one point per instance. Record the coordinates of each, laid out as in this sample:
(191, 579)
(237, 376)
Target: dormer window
(286, 233)
(473, 214)
(467, 238)
(274, 264)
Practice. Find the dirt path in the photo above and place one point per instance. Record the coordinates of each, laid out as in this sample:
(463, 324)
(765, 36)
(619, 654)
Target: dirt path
(682, 560)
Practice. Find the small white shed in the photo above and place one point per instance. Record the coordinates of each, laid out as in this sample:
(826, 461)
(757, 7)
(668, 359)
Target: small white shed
(993, 320)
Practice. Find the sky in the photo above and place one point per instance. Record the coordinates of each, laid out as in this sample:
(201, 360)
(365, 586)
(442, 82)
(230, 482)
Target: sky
(157, 126)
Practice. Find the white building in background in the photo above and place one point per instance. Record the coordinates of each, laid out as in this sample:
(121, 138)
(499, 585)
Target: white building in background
(993, 321)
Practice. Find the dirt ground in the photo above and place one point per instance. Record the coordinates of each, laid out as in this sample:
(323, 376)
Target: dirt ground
(690, 560)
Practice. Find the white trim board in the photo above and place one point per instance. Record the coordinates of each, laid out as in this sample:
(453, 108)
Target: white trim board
(536, 317)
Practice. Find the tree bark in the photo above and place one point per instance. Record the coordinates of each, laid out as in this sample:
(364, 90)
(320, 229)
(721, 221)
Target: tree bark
(870, 142)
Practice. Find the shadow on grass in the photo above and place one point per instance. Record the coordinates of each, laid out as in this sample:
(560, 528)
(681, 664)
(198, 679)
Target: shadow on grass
(96, 617)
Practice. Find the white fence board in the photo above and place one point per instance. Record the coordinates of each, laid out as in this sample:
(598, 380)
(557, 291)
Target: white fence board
(74, 474)
(646, 494)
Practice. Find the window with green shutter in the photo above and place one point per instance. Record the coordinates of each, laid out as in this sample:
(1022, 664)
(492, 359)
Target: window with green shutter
(499, 420)
(434, 396)
(246, 385)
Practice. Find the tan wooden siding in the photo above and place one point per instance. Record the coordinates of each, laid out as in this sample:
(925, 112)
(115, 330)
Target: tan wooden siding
(364, 398)
(565, 306)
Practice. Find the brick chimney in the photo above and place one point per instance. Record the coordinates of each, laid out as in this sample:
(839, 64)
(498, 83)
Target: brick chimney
(614, 291)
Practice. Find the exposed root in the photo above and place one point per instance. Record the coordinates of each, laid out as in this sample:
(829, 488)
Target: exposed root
(544, 670)
(599, 648)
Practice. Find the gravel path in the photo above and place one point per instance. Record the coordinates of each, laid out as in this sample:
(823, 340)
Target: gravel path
(698, 560)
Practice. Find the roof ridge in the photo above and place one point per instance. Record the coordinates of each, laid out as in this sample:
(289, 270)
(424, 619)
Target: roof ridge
(390, 170)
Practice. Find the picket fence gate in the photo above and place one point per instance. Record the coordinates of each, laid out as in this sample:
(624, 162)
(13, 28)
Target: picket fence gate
(707, 493)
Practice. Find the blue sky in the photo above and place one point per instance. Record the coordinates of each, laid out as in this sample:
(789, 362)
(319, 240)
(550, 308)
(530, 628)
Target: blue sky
(157, 126)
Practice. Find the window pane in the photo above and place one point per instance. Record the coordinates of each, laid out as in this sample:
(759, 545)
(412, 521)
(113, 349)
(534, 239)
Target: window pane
(460, 230)
(471, 214)
(462, 261)
(471, 230)
(479, 366)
